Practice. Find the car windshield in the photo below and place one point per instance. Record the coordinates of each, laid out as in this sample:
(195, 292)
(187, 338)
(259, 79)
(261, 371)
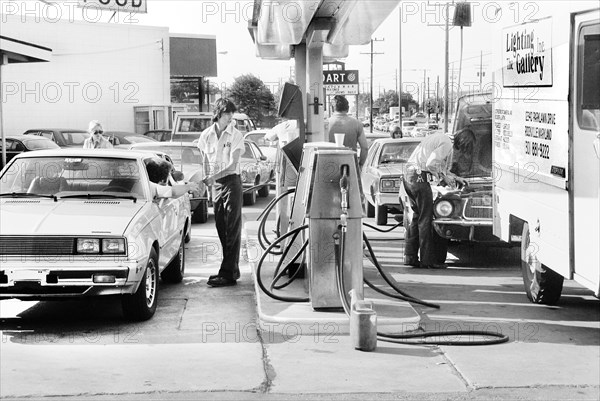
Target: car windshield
(67, 176)
(475, 113)
(397, 152)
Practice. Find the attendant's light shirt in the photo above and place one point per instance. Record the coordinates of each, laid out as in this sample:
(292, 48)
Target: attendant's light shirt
(433, 154)
(219, 150)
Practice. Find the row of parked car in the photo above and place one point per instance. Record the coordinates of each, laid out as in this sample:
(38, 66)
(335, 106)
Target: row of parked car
(92, 213)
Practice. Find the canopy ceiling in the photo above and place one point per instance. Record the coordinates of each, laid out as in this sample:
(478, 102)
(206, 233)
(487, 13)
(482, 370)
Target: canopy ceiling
(278, 26)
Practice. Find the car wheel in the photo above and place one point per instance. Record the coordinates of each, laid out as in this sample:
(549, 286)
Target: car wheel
(250, 198)
(542, 285)
(173, 273)
(370, 210)
(381, 213)
(200, 214)
(141, 305)
(264, 191)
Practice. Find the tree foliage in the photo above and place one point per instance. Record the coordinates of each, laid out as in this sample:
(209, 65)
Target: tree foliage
(253, 97)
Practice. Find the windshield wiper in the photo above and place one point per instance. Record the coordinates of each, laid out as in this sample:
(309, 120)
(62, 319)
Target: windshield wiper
(28, 195)
(96, 196)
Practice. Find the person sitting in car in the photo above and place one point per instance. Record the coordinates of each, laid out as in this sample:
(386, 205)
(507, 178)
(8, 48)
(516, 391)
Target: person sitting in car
(158, 172)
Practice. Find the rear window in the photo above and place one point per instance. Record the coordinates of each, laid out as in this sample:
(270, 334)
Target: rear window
(194, 124)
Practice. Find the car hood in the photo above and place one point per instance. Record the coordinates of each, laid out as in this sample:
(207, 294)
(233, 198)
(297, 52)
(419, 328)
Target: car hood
(67, 217)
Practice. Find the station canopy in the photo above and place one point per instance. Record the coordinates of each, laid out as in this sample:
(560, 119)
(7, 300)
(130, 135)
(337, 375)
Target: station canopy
(276, 27)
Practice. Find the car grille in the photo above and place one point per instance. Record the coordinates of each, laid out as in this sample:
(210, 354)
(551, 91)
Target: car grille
(37, 245)
(477, 208)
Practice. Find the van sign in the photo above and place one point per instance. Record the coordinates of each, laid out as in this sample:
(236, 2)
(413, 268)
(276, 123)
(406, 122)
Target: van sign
(528, 54)
(130, 6)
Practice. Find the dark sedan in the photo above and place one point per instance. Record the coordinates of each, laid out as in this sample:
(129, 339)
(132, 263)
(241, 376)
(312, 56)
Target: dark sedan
(64, 137)
(24, 143)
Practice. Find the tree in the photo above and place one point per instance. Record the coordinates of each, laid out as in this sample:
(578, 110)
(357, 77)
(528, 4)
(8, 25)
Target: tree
(252, 97)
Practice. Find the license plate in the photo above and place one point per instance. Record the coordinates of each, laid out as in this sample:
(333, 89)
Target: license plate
(27, 275)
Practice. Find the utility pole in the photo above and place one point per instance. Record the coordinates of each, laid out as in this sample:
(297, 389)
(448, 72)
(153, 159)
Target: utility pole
(371, 94)
(446, 97)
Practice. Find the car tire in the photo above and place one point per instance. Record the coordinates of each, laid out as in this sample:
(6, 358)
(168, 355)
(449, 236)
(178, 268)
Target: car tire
(200, 214)
(141, 305)
(173, 273)
(381, 215)
(264, 191)
(542, 285)
(250, 198)
(370, 210)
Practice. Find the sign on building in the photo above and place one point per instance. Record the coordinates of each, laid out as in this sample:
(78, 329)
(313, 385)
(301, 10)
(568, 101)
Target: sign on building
(341, 82)
(130, 6)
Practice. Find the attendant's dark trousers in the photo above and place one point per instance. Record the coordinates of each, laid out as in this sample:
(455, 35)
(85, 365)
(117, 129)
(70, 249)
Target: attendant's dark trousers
(420, 236)
(228, 219)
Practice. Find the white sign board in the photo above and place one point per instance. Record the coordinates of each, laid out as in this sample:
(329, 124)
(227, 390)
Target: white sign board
(130, 6)
(533, 138)
(527, 54)
(340, 82)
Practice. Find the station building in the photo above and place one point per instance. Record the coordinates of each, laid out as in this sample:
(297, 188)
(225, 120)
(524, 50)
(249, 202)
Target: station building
(117, 73)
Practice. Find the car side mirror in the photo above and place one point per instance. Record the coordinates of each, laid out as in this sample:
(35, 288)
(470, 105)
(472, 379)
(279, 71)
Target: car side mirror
(177, 175)
(263, 158)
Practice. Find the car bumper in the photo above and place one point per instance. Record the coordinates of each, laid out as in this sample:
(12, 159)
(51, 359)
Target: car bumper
(65, 279)
(465, 230)
(390, 199)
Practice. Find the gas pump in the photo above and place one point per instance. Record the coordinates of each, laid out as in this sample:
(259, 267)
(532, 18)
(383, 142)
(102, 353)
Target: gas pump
(328, 199)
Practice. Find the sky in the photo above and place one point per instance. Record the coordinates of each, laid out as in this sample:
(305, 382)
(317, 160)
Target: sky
(423, 36)
(423, 39)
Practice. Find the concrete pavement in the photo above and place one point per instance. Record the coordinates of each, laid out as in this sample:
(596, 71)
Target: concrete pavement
(204, 343)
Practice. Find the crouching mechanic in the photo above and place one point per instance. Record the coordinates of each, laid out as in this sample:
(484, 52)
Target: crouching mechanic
(430, 160)
(158, 173)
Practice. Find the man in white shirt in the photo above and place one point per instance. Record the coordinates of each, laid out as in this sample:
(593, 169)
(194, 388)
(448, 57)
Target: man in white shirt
(222, 146)
(96, 140)
(430, 160)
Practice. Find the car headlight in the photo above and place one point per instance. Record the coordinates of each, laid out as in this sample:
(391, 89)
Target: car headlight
(88, 245)
(244, 176)
(110, 246)
(389, 185)
(444, 208)
(113, 246)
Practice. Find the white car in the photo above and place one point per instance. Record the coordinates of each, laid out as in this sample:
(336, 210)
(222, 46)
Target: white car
(381, 175)
(83, 222)
(268, 148)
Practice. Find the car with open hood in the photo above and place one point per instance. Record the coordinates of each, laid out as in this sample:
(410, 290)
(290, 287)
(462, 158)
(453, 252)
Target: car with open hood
(86, 222)
(465, 214)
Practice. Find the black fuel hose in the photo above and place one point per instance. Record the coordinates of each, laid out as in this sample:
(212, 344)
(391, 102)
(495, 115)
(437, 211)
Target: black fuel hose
(262, 259)
(262, 235)
(380, 229)
(413, 338)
